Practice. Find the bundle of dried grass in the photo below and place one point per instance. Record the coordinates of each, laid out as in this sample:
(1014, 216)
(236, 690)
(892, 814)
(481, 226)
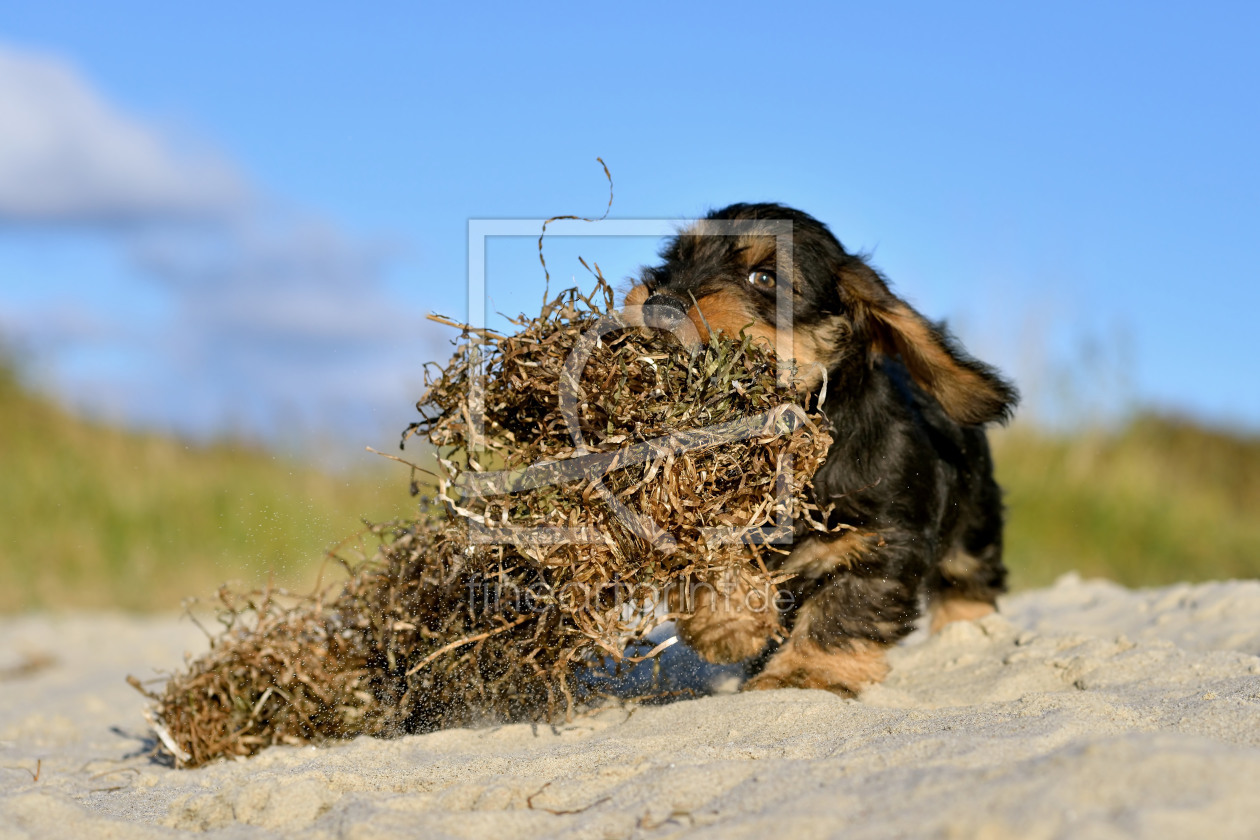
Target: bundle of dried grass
(399, 648)
(591, 474)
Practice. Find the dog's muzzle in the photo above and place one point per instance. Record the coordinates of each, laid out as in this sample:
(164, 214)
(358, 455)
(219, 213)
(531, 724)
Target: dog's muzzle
(663, 312)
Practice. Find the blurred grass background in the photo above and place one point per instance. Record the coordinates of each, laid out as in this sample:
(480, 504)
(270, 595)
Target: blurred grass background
(1157, 500)
(94, 516)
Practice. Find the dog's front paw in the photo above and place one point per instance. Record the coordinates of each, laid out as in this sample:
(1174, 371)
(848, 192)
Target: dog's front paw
(796, 679)
(766, 682)
(844, 671)
(728, 623)
(726, 636)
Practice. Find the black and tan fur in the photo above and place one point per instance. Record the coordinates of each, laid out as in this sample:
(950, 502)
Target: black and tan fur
(909, 472)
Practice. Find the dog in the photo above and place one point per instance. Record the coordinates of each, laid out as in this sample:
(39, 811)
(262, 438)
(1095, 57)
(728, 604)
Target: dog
(914, 511)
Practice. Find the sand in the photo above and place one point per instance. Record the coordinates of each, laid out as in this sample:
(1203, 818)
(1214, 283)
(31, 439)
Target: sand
(1085, 710)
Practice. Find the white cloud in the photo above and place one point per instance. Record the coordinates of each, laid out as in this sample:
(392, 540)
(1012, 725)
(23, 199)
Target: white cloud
(300, 280)
(274, 325)
(274, 334)
(252, 319)
(69, 156)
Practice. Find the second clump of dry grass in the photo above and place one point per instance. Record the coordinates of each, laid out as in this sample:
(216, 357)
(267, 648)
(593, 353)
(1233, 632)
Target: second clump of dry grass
(591, 474)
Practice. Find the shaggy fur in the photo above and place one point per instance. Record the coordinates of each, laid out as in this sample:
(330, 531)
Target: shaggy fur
(909, 476)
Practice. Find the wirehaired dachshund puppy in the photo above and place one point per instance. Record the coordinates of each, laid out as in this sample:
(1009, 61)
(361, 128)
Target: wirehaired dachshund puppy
(909, 472)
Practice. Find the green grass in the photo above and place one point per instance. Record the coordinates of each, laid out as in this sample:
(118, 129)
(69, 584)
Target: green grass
(94, 516)
(1158, 501)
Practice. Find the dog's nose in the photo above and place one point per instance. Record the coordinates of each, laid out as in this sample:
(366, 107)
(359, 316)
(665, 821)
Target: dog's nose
(663, 312)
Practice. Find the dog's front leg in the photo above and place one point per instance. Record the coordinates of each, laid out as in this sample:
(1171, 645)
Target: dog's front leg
(858, 594)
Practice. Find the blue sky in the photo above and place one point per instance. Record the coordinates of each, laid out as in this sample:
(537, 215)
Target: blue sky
(236, 216)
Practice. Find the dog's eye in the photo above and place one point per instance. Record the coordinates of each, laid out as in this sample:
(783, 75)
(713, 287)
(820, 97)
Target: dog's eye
(761, 279)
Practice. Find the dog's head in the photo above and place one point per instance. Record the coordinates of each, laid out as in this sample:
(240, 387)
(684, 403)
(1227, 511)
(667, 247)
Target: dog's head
(780, 276)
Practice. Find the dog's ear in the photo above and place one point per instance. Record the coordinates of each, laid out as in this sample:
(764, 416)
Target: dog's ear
(969, 390)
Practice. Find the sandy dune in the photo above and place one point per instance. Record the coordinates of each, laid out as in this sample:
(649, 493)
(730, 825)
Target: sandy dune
(1083, 711)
